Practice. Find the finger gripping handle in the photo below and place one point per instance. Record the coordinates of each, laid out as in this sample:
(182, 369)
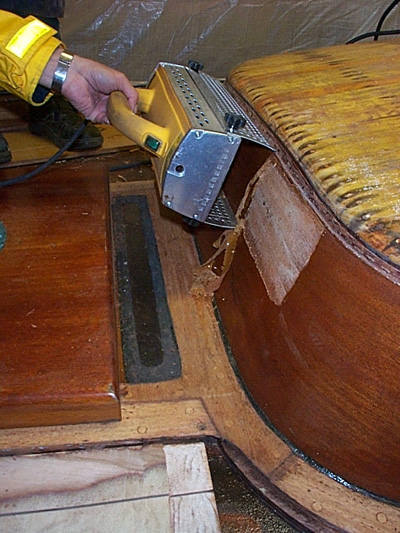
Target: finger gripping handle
(143, 132)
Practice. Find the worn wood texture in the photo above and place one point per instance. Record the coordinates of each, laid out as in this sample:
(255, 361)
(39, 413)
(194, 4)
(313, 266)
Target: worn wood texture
(142, 420)
(320, 357)
(336, 110)
(352, 512)
(209, 400)
(58, 337)
(117, 489)
(192, 501)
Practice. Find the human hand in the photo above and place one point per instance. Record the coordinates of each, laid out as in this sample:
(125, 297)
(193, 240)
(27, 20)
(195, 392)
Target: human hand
(89, 84)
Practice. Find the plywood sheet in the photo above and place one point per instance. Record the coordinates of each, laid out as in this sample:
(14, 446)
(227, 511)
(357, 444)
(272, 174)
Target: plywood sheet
(117, 489)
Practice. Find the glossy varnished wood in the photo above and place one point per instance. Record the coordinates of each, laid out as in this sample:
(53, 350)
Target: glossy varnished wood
(322, 364)
(58, 338)
(310, 302)
(209, 401)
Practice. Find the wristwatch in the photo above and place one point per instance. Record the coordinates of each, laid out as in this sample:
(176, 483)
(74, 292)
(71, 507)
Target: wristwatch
(60, 74)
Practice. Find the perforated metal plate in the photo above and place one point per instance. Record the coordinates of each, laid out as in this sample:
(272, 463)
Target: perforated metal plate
(221, 213)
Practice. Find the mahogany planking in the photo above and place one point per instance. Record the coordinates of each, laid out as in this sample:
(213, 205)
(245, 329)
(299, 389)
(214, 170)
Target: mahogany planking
(322, 365)
(58, 348)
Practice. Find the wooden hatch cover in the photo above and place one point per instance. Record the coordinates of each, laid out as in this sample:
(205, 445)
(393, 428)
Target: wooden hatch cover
(57, 337)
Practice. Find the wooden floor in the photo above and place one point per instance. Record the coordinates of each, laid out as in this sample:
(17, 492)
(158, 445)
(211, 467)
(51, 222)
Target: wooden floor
(207, 401)
(156, 488)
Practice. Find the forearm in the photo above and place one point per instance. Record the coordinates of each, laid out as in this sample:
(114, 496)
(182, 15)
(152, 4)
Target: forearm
(47, 75)
(26, 46)
(29, 54)
(88, 85)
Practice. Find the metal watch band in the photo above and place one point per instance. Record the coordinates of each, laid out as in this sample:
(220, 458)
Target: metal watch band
(60, 74)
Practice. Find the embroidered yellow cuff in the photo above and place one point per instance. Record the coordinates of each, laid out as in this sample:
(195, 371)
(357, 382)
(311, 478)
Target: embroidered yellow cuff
(26, 45)
(26, 37)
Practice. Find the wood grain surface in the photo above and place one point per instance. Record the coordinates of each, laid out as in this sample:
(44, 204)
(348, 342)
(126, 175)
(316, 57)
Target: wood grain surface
(118, 489)
(317, 345)
(208, 400)
(58, 338)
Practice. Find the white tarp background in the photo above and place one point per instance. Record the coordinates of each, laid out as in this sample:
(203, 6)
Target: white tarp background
(133, 36)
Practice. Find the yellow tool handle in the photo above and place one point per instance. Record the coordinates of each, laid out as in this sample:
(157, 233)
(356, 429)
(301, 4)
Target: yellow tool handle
(143, 132)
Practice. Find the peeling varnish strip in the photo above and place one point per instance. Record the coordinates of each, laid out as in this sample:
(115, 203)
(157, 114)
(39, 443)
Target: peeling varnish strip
(281, 232)
(206, 279)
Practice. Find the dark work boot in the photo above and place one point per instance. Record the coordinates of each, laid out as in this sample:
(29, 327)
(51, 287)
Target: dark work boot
(5, 154)
(58, 120)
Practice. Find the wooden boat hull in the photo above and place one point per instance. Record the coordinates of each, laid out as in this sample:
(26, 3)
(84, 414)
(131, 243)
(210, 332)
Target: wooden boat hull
(322, 366)
(308, 315)
(309, 308)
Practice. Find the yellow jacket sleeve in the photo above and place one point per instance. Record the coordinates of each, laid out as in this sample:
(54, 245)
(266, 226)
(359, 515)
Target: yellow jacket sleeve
(26, 46)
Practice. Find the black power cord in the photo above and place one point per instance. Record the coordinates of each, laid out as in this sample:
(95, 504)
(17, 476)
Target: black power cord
(383, 17)
(25, 177)
(378, 31)
(53, 158)
(374, 34)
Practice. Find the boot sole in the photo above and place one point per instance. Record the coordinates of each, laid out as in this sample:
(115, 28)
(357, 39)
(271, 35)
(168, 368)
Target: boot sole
(5, 157)
(79, 145)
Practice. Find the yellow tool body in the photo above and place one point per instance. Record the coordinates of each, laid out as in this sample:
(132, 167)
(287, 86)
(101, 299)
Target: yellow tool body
(193, 128)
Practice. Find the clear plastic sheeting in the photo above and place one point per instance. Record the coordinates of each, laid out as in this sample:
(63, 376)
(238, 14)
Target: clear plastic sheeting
(133, 36)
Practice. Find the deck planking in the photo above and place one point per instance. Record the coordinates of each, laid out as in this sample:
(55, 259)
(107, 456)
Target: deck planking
(209, 401)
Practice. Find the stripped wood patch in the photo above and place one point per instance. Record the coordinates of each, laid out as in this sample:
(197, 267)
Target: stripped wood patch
(192, 502)
(117, 489)
(292, 234)
(206, 401)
